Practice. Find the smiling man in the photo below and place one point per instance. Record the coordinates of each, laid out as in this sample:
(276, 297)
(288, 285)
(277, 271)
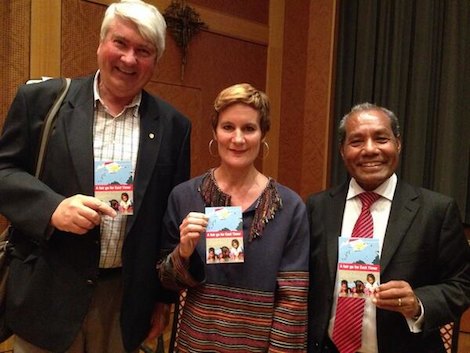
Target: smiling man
(82, 277)
(422, 250)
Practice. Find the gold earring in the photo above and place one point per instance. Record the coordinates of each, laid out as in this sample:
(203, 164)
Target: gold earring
(210, 149)
(265, 150)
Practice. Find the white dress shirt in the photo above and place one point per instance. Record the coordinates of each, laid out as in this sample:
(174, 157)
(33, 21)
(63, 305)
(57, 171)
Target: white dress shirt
(380, 211)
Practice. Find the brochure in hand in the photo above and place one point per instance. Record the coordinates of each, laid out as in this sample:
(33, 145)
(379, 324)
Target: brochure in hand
(358, 266)
(224, 235)
(114, 185)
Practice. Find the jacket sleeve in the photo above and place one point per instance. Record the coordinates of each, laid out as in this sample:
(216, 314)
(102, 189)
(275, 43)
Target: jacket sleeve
(445, 300)
(26, 201)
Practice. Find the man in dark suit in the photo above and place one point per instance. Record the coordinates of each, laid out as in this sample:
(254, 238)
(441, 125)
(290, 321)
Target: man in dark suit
(82, 277)
(424, 256)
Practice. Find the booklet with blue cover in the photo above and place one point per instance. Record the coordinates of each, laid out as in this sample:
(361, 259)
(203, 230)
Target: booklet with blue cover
(114, 185)
(224, 235)
(358, 266)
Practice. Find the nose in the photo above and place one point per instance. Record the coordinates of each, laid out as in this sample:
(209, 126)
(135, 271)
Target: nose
(370, 146)
(129, 57)
(239, 136)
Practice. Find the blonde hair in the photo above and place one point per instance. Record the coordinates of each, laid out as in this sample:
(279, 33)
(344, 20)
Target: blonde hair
(246, 94)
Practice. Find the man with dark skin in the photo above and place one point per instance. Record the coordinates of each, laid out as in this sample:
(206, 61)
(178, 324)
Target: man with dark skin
(424, 255)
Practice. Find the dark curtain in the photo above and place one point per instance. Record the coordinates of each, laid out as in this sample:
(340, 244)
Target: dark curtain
(412, 57)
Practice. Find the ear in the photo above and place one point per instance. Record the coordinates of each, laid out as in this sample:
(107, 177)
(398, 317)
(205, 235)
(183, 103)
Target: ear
(399, 144)
(341, 150)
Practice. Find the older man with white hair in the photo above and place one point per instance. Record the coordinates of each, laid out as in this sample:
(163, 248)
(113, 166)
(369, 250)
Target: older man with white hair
(82, 276)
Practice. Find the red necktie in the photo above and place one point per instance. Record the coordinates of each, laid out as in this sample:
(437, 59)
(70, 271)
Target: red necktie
(364, 227)
(347, 329)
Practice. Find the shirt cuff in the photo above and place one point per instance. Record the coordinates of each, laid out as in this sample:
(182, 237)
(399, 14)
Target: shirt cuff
(415, 324)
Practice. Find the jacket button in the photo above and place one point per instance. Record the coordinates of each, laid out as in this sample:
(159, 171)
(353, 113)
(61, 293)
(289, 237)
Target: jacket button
(90, 282)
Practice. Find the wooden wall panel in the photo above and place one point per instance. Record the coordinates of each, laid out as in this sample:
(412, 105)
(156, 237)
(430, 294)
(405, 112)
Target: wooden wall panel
(14, 50)
(293, 93)
(14, 55)
(320, 71)
(307, 76)
(214, 62)
(257, 11)
(224, 22)
(45, 38)
(188, 100)
(81, 23)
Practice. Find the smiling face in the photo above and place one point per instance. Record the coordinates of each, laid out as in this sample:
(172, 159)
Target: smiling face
(126, 61)
(235, 243)
(370, 150)
(238, 135)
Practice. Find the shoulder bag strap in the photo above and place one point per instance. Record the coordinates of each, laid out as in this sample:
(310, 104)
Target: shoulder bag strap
(48, 123)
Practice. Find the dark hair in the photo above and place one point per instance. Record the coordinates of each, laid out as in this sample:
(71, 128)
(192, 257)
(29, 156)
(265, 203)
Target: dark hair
(363, 107)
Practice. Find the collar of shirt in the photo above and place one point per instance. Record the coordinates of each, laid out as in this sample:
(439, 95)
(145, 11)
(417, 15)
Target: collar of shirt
(380, 210)
(97, 98)
(386, 189)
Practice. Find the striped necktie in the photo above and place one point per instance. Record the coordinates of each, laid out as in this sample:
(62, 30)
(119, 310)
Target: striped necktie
(347, 329)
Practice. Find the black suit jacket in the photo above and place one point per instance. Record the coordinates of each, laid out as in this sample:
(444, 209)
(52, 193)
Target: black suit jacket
(50, 286)
(424, 245)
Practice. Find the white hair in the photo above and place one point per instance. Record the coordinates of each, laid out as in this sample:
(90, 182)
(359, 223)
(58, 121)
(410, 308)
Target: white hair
(149, 21)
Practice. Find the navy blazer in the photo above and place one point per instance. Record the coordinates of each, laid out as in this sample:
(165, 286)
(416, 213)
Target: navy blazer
(50, 285)
(424, 245)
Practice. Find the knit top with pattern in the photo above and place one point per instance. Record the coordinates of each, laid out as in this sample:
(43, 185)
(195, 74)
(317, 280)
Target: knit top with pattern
(259, 305)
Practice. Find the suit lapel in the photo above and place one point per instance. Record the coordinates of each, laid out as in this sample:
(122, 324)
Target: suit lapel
(403, 211)
(77, 116)
(151, 132)
(334, 220)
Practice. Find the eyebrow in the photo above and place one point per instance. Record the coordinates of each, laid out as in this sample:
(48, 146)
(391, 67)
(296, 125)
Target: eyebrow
(148, 45)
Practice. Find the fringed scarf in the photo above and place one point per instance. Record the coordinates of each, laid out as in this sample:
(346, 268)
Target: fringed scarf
(268, 203)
